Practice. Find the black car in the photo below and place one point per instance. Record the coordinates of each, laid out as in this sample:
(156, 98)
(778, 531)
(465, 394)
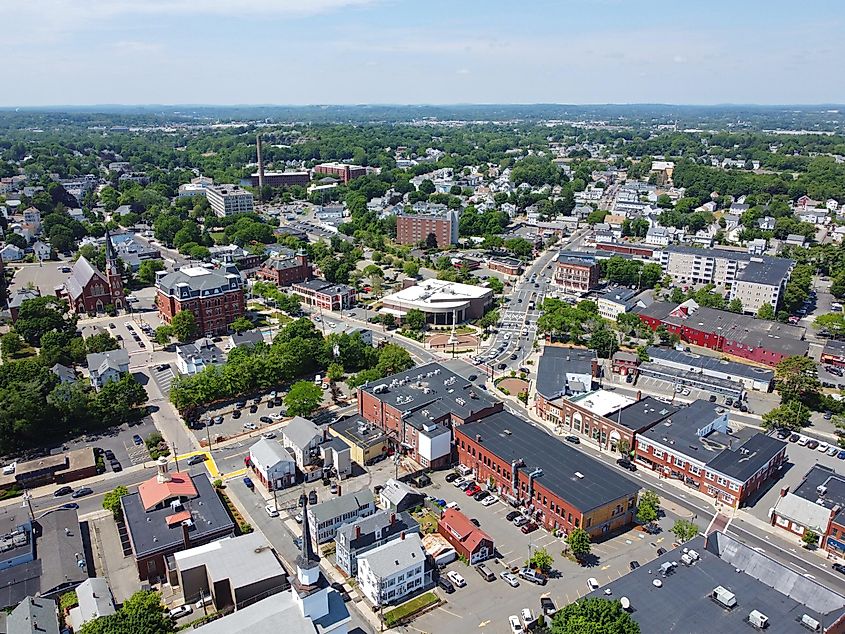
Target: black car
(70, 505)
(661, 551)
(472, 377)
(503, 366)
(82, 492)
(236, 413)
(253, 409)
(547, 606)
(839, 568)
(109, 454)
(712, 398)
(626, 464)
(451, 477)
(783, 434)
(513, 357)
(481, 495)
(266, 420)
(475, 522)
(446, 585)
(573, 439)
(512, 515)
(729, 401)
(634, 565)
(116, 466)
(65, 490)
(795, 438)
(240, 404)
(196, 459)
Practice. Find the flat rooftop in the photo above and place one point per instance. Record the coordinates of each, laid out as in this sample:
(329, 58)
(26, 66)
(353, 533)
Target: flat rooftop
(602, 402)
(705, 363)
(511, 438)
(683, 604)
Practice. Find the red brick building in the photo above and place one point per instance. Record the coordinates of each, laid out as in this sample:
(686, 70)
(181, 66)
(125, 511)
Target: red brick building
(341, 171)
(215, 296)
(285, 268)
(557, 485)
(507, 266)
(466, 538)
(638, 251)
(758, 340)
(834, 353)
(624, 362)
(325, 295)
(416, 406)
(576, 274)
(694, 445)
(413, 228)
(87, 290)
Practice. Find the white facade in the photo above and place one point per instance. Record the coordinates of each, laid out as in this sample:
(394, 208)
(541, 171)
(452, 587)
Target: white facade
(432, 447)
(227, 200)
(393, 571)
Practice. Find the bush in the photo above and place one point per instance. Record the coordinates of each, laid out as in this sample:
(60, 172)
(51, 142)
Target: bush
(410, 608)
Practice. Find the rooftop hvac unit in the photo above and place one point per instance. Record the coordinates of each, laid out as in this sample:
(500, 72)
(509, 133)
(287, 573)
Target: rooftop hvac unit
(579, 475)
(724, 597)
(625, 602)
(810, 623)
(694, 555)
(176, 505)
(758, 619)
(686, 559)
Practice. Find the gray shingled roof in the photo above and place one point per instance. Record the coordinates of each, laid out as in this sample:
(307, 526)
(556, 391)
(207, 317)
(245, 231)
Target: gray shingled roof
(300, 432)
(347, 503)
(269, 452)
(395, 555)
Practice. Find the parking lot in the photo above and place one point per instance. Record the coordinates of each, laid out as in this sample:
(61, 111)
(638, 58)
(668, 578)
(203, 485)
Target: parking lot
(488, 604)
(223, 424)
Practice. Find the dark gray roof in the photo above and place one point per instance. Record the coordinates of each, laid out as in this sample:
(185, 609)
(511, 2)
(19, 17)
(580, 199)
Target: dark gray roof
(703, 362)
(21, 295)
(80, 275)
(560, 462)
(576, 260)
(555, 363)
(767, 270)
(433, 388)
(376, 527)
(642, 414)
(248, 338)
(342, 504)
(834, 496)
(682, 605)
(681, 429)
(324, 287)
(656, 310)
(833, 347)
(199, 281)
(618, 294)
(362, 432)
(743, 461)
(149, 532)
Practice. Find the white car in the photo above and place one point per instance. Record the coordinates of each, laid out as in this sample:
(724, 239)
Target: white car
(489, 501)
(178, 613)
(250, 426)
(823, 447)
(685, 392)
(527, 617)
(269, 434)
(271, 509)
(456, 578)
(519, 520)
(592, 584)
(276, 416)
(458, 482)
(453, 505)
(803, 441)
(832, 450)
(510, 578)
(516, 626)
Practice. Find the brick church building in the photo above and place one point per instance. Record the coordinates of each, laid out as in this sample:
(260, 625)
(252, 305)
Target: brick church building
(87, 290)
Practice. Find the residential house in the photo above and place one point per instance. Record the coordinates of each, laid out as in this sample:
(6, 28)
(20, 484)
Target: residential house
(11, 253)
(196, 357)
(95, 600)
(272, 464)
(33, 615)
(356, 538)
(245, 339)
(468, 540)
(42, 250)
(328, 516)
(19, 296)
(302, 437)
(394, 571)
(399, 496)
(107, 366)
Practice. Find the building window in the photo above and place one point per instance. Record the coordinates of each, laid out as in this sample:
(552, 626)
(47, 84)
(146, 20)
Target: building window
(658, 453)
(694, 470)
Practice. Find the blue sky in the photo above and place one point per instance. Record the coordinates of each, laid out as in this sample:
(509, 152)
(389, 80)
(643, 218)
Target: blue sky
(422, 51)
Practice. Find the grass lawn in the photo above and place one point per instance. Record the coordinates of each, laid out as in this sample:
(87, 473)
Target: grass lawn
(411, 607)
(219, 237)
(428, 523)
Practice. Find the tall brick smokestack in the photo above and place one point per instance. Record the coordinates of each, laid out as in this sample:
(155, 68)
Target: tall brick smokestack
(260, 167)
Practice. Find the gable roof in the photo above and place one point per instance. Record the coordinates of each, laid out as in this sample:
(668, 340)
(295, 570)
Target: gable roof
(81, 273)
(300, 432)
(459, 526)
(268, 453)
(153, 492)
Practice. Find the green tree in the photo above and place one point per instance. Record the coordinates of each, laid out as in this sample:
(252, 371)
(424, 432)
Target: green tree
(335, 373)
(10, 344)
(415, 319)
(111, 501)
(241, 324)
(117, 401)
(303, 398)
(792, 415)
(411, 269)
(735, 305)
(810, 539)
(393, 359)
(604, 342)
(163, 335)
(142, 613)
(834, 323)
(578, 541)
(541, 560)
(624, 447)
(796, 379)
(593, 615)
(766, 311)
(101, 342)
(431, 241)
(684, 530)
(183, 326)
(41, 315)
(648, 508)
(496, 285)
(147, 270)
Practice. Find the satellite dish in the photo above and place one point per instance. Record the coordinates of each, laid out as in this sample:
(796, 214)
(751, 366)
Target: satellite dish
(626, 603)
(657, 583)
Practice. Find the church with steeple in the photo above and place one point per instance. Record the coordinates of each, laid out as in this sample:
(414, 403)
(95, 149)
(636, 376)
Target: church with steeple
(88, 290)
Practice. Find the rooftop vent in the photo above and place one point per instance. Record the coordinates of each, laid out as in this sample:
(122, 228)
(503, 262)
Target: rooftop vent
(507, 432)
(724, 597)
(810, 623)
(758, 620)
(579, 475)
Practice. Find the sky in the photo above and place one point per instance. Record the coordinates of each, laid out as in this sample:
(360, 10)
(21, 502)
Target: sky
(80, 52)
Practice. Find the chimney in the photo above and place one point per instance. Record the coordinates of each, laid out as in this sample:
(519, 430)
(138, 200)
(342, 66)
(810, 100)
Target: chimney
(402, 535)
(392, 518)
(784, 491)
(357, 532)
(162, 476)
(478, 438)
(186, 538)
(338, 489)
(639, 394)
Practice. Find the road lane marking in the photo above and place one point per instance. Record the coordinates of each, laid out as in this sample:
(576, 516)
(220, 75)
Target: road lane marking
(448, 612)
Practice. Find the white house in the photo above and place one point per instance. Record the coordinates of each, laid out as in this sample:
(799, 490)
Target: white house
(273, 464)
(95, 601)
(326, 517)
(107, 366)
(41, 250)
(11, 253)
(389, 573)
(302, 436)
(195, 357)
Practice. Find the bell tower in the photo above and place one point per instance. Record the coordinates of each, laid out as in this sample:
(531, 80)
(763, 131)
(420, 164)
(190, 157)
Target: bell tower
(113, 275)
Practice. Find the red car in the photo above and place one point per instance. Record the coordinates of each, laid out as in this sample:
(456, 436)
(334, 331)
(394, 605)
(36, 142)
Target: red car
(528, 528)
(473, 489)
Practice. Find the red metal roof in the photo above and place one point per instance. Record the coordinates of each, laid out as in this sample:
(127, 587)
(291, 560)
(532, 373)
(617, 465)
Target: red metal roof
(177, 518)
(153, 492)
(459, 526)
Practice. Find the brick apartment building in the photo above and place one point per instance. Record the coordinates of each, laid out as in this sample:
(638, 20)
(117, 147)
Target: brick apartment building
(696, 446)
(743, 336)
(559, 486)
(325, 295)
(284, 268)
(576, 274)
(505, 265)
(413, 228)
(419, 407)
(342, 171)
(215, 296)
(282, 179)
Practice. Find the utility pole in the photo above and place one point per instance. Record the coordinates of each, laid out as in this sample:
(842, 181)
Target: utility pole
(208, 436)
(175, 456)
(27, 496)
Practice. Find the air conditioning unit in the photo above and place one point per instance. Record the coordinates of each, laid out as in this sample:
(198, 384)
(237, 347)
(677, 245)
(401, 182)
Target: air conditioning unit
(724, 597)
(810, 623)
(758, 619)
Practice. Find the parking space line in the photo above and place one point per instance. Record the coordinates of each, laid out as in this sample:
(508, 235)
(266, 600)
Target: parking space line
(442, 609)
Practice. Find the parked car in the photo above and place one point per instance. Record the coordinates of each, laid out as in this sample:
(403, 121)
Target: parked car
(592, 584)
(178, 613)
(510, 579)
(490, 500)
(512, 516)
(783, 434)
(115, 466)
(271, 509)
(841, 455)
(520, 520)
(840, 568)
(547, 606)
(633, 565)
(485, 572)
(472, 377)
(794, 437)
(481, 495)
(451, 477)
(573, 439)
(812, 444)
(217, 420)
(475, 522)
(266, 420)
(729, 401)
(527, 617)
(65, 490)
(137, 439)
(82, 492)
(803, 441)
(457, 482)
(453, 505)
(446, 585)
(236, 413)
(472, 489)
(515, 625)
(109, 454)
(529, 574)
(530, 527)
(248, 483)
(269, 434)
(250, 426)
(661, 551)
(456, 578)
(626, 464)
